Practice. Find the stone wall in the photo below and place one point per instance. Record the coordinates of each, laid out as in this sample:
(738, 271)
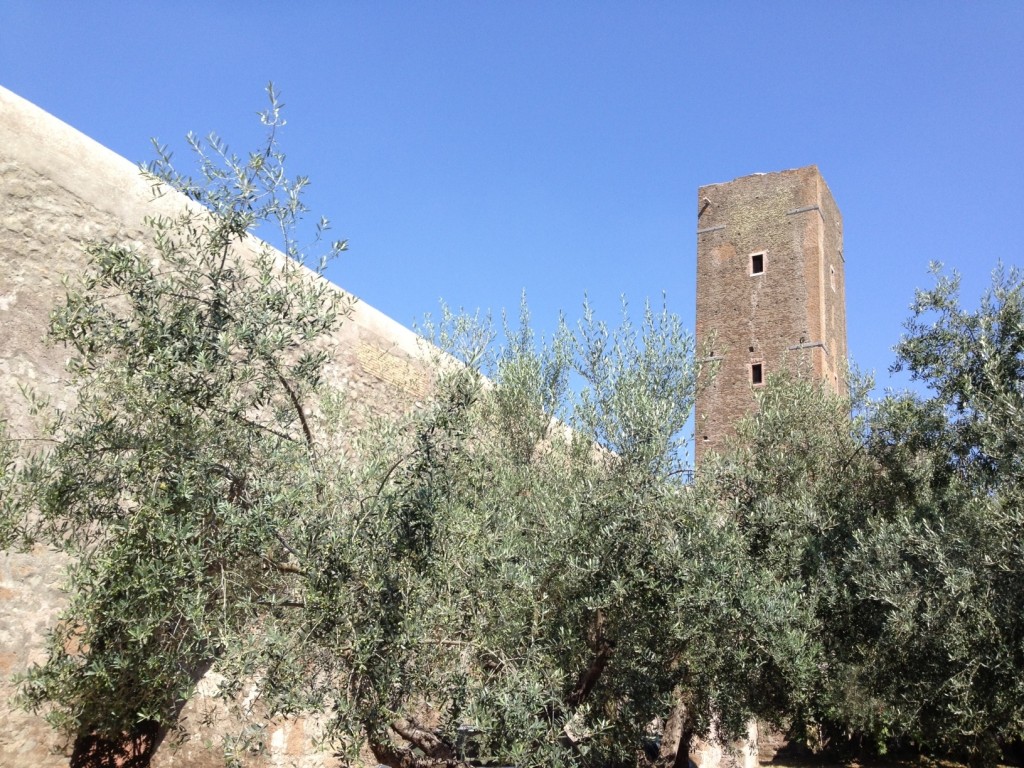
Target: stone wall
(770, 290)
(58, 191)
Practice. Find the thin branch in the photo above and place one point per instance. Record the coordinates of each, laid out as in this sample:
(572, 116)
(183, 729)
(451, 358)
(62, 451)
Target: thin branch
(283, 567)
(282, 603)
(257, 425)
(297, 405)
(288, 547)
(391, 470)
(380, 487)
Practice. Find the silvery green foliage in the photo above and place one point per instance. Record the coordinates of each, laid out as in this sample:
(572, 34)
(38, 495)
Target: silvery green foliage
(10, 509)
(516, 567)
(516, 570)
(790, 485)
(940, 566)
(899, 527)
(178, 478)
(553, 586)
(521, 573)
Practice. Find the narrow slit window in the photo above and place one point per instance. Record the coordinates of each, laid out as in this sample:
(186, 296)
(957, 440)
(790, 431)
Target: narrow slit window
(757, 264)
(832, 276)
(756, 373)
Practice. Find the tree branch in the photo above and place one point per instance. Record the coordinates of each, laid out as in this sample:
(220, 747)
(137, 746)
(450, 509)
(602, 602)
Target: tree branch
(589, 677)
(603, 652)
(297, 405)
(431, 745)
(391, 470)
(282, 603)
(386, 753)
(283, 567)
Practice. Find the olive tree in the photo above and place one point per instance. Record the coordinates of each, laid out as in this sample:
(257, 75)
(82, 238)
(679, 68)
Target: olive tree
(898, 522)
(941, 568)
(551, 585)
(175, 480)
(516, 570)
(792, 483)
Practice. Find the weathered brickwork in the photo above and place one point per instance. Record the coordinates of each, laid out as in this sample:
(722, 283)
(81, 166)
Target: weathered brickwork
(58, 191)
(770, 291)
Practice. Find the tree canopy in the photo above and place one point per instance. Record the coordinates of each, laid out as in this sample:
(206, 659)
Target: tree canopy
(520, 569)
(901, 518)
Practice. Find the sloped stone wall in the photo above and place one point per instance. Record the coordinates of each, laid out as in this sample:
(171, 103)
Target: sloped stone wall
(58, 191)
(30, 599)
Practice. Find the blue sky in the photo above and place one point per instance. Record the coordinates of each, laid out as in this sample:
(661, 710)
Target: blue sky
(471, 150)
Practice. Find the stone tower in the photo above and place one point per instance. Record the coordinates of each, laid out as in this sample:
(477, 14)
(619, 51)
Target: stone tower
(770, 291)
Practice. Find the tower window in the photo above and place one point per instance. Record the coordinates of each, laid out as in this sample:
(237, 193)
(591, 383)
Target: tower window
(757, 264)
(756, 373)
(832, 276)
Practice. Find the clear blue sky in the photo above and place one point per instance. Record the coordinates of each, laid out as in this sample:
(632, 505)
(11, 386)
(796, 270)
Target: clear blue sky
(470, 150)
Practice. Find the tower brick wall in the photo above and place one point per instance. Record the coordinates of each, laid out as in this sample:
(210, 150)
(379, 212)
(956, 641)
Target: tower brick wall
(770, 292)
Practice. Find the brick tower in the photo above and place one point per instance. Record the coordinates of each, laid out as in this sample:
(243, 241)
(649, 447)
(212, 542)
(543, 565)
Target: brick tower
(770, 290)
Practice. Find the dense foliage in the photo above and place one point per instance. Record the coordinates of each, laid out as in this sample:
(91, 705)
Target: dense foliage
(941, 565)
(173, 480)
(520, 568)
(904, 524)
